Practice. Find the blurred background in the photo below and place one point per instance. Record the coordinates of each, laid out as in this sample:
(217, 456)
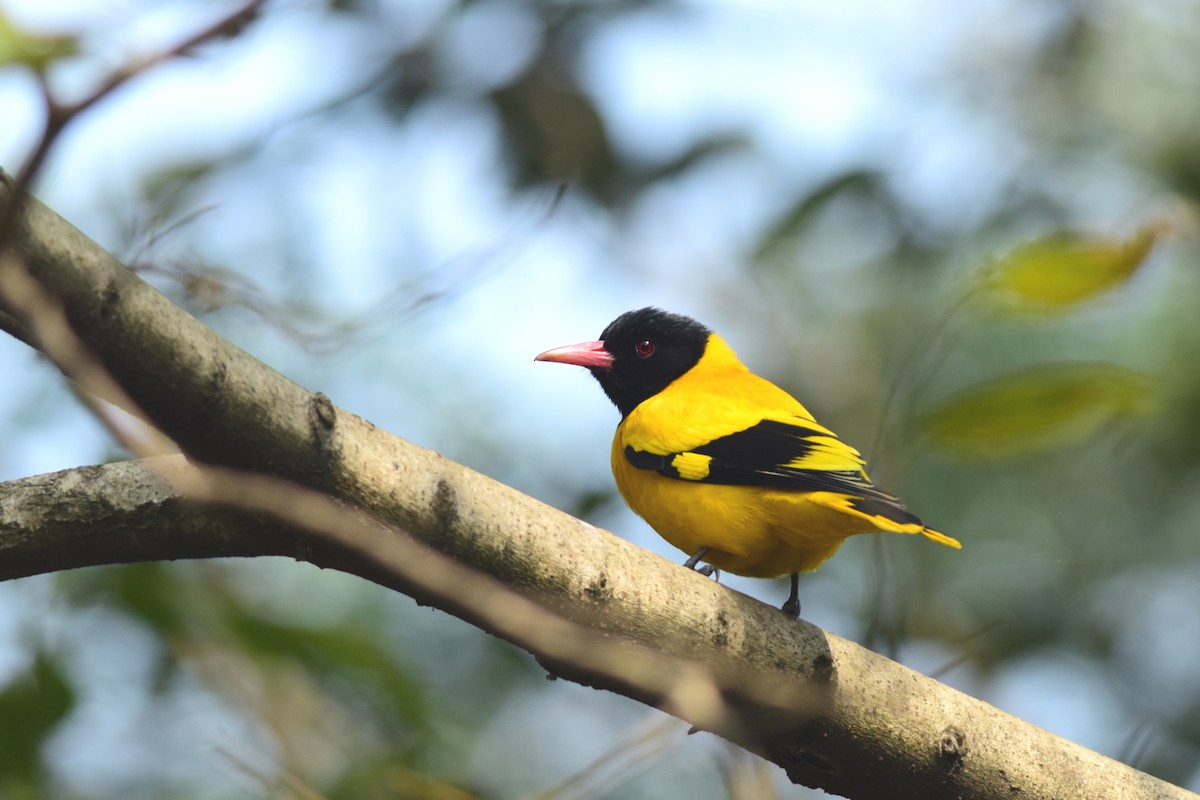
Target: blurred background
(961, 234)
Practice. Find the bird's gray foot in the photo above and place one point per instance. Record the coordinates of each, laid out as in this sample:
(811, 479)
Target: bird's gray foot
(791, 606)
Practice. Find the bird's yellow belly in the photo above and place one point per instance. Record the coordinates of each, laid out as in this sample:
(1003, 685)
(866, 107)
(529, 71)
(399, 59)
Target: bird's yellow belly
(751, 531)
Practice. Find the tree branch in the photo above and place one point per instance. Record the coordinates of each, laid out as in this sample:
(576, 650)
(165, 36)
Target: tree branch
(880, 730)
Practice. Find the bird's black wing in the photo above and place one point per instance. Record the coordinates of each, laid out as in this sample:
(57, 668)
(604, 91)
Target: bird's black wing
(779, 455)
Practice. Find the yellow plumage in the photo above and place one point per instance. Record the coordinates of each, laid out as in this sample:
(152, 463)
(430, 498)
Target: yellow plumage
(757, 531)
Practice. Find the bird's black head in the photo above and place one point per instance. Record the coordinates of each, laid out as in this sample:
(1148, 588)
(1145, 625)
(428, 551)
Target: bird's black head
(639, 354)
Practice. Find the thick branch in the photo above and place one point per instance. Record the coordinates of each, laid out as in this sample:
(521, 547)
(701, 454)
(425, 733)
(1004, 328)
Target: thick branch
(883, 731)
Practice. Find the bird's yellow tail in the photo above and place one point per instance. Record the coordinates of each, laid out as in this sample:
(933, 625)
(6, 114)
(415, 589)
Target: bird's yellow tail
(941, 538)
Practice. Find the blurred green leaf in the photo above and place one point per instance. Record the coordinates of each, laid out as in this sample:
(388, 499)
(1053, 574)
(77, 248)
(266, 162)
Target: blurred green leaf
(35, 52)
(151, 593)
(1062, 269)
(154, 593)
(158, 595)
(31, 707)
(859, 182)
(703, 150)
(331, 655)
(589, 502)
(391, 779)
(555, 132)
(1037, 410)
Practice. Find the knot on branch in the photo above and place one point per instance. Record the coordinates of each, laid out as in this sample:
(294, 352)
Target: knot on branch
(322, 418)
(952, 748)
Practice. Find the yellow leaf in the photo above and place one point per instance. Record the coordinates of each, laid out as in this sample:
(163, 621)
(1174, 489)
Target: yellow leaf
(1060, 270)
(1038, 410)
(33, 51)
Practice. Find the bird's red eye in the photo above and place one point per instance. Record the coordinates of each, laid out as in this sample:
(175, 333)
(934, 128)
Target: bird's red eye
(645, 348)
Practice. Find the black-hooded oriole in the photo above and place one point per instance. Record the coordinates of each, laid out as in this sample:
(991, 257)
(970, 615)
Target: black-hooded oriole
(725, 465)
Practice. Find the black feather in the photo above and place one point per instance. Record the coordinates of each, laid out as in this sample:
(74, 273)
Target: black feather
(757, 456)
(678, 343)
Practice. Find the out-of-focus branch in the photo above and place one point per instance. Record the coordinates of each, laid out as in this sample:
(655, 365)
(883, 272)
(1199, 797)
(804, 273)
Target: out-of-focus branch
(16, 329)
(28, 308)
(60, 115)
(30, 311)
(881, 730)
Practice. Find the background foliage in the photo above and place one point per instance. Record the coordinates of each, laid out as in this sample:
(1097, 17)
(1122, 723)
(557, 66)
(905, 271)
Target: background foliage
(962, 235)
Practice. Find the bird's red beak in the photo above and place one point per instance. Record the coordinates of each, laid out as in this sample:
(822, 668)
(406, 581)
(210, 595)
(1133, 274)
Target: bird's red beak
(585, 354)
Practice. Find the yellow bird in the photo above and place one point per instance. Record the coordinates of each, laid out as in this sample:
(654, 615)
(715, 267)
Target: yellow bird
(723, 464)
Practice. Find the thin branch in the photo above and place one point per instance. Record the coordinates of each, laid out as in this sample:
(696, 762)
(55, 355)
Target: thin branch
(60, 115)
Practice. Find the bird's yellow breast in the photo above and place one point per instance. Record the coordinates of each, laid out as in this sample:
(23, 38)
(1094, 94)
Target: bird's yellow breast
(751, 530)
(755, 531)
